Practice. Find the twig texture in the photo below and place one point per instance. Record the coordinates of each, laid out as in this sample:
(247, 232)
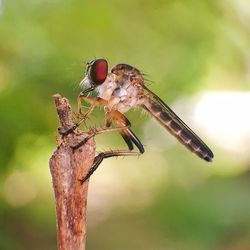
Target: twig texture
(67, 167)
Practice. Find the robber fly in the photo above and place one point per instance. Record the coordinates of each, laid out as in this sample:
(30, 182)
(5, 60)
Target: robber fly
(120, 90)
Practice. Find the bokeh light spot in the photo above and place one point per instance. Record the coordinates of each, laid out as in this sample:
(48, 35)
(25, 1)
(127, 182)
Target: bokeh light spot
(18, 189)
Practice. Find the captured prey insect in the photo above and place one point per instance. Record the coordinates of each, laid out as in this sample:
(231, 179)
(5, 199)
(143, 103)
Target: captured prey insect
(120, 90)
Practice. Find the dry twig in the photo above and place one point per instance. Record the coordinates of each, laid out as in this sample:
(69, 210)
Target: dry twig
(67, 167)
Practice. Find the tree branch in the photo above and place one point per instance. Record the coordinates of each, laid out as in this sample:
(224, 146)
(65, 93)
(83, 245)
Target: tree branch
(67, 167)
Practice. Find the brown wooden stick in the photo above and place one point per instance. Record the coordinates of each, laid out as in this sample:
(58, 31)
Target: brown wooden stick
(67, 167)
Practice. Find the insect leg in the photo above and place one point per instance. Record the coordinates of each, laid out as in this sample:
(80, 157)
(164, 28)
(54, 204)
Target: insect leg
(109, 117)
(127, 139)
(83, 117)
(96, 131)
(94, 101)
(127, 134)
(99, 158)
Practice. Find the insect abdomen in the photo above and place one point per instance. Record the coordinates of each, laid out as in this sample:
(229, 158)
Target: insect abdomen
(182, 133)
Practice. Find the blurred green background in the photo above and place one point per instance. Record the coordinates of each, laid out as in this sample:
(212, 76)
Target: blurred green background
(196, 55)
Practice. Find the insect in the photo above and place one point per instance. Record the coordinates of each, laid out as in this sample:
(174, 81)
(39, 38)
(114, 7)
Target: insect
(120, 90)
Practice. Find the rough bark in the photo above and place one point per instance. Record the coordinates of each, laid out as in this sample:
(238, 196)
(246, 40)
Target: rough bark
(67, 167)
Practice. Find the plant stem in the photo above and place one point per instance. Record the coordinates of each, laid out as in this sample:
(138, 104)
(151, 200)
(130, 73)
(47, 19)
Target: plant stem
(67, 167)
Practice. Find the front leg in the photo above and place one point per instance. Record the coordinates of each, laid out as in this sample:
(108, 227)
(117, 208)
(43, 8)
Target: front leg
(94, 101)
(81, 117)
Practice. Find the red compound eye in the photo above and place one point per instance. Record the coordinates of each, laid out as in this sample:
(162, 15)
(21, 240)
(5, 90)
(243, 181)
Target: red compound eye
(98, 71)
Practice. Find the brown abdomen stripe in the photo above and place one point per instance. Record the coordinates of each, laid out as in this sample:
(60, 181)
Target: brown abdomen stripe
(182, 133)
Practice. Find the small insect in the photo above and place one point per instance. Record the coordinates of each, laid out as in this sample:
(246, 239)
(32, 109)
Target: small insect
(120, 90)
